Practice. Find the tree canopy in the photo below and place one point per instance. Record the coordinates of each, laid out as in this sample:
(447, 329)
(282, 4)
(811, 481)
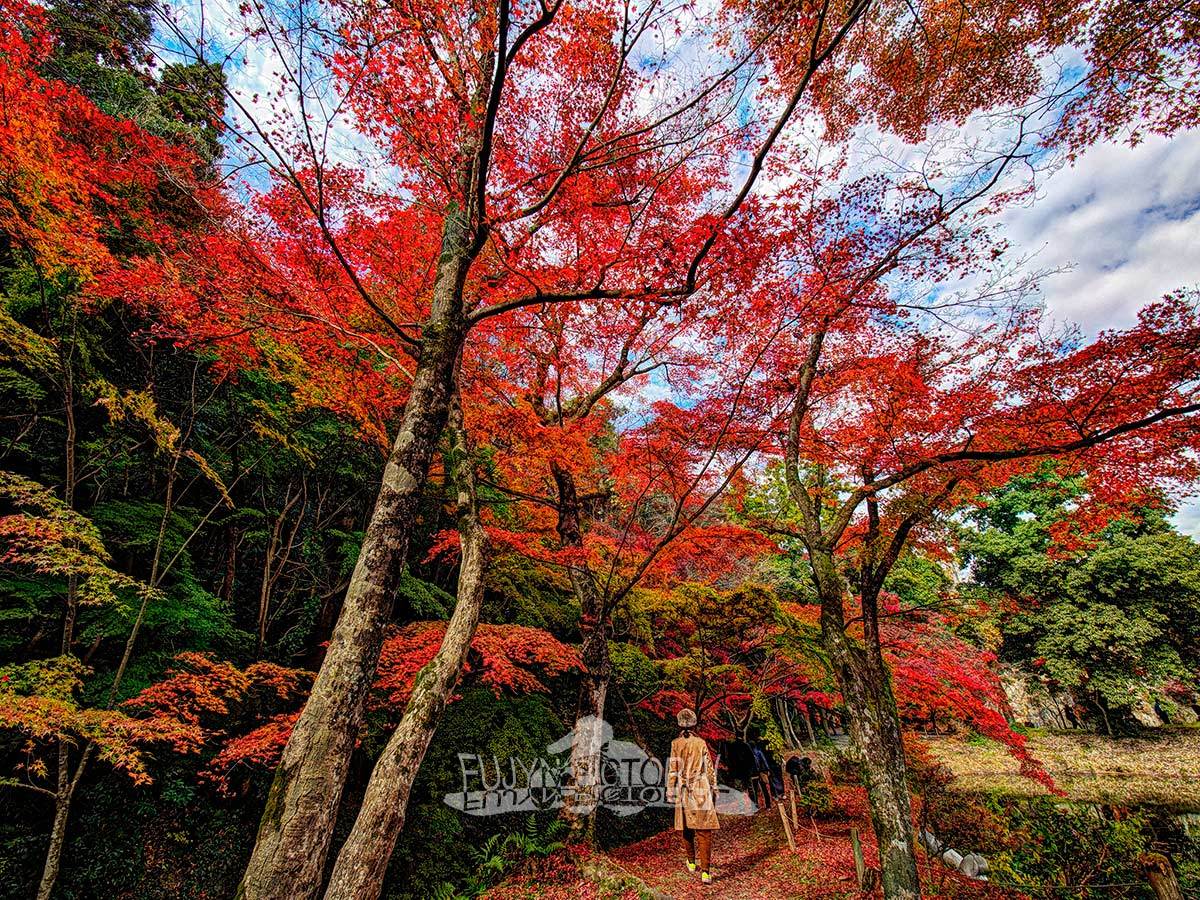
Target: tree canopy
(381, 375)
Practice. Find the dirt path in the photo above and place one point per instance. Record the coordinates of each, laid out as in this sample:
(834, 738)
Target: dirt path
(752, 861)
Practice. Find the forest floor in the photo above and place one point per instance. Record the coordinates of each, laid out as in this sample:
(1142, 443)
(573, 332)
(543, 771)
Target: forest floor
(1158, 769)
(751, 861)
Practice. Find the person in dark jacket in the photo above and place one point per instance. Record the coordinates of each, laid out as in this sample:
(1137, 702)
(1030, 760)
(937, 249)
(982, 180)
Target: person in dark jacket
(762, 774)
(738, 760)
(800, 773)
(776, 772)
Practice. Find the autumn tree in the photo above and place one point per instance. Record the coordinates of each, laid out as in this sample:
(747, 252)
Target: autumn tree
(900, 405)
(497, 175)
(873, 276)
(740, 657)
(506, 193)
(247, 714)
(86, 199)
(613, 501)
(896, 429)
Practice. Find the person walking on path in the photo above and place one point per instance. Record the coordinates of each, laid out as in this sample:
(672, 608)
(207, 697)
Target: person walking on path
(692, 787)
(762, 773)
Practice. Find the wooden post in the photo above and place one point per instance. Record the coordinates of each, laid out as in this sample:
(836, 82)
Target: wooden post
(787, 827)
(860, 867)
(1161, 876)
(795, 818)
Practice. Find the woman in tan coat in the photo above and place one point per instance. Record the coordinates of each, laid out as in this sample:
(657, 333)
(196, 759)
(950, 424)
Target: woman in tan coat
(692, 787)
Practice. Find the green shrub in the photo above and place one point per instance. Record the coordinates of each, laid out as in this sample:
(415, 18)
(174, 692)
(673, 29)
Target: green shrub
(1067, 845)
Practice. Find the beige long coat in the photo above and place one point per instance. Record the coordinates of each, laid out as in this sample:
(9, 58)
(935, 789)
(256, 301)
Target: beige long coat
(692, 784)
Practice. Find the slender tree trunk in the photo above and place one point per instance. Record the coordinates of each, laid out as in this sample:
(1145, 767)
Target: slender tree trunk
(58, 831)
(232, 537)
(232, 533)
(812, 735)
(271, 568)
(288, 859)
(597, 666)
(264, 590)
(785, 719)
(67, 782)
(1099, 704)
(362, 862)
(63, 786)
(72, 598)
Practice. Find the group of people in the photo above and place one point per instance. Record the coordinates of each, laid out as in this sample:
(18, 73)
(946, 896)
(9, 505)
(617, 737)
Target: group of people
(692, 785)
(752, 767)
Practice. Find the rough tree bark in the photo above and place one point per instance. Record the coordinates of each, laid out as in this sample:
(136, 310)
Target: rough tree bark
(597, 665)
(362, 862)
(586, 750)
(860, 671)
(293, 837)
(1161, 876)
(866, 688)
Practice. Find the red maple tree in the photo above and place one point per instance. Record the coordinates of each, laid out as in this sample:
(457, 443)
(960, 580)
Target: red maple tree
(249, 713)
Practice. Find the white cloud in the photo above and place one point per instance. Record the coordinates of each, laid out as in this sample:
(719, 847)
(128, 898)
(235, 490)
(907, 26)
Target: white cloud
(1187, 519)
(1125, 220)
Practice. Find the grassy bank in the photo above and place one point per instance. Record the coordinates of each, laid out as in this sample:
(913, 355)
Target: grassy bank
(1161, 769)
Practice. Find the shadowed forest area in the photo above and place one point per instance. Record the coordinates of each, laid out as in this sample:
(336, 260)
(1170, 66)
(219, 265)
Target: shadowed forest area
(419, 420)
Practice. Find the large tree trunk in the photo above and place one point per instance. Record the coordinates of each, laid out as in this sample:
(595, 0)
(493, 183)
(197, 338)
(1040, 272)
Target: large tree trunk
(875, 730)
(590, 734)
(866, 689)
(362, 862)
(288, 859)
(586, 779)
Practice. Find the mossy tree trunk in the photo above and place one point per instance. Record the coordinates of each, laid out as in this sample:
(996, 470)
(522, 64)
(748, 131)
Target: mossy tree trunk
(288, 859)
(586, 750)
(362, 862)
(866, 687)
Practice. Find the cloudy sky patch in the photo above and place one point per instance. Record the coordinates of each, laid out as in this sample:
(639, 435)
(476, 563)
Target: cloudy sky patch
(1123, 224)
